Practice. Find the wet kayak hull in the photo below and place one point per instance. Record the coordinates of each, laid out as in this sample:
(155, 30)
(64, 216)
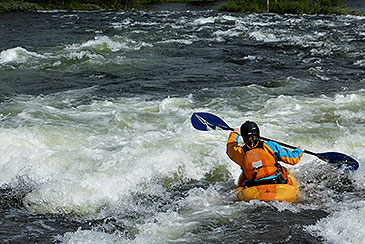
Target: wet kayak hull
(281, 192)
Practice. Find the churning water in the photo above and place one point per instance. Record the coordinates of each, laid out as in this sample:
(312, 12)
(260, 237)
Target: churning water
(96, 144)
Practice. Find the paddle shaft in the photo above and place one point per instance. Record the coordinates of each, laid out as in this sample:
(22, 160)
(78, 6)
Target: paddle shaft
(280, 143)
(207, 121)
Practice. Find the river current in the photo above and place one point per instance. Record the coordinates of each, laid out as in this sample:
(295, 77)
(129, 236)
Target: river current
(96, 144)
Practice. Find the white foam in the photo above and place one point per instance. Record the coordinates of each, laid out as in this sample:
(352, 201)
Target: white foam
(124, 24)
(86, 158)
(360, 63)
(17, 55)
(204, 21)
(263, 36)
(228, 33)
(172, 226)
(179, 41)
(90, 237)
(343, 227)
(113, 44)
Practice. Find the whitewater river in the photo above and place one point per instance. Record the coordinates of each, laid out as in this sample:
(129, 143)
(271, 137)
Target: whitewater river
(96, 144)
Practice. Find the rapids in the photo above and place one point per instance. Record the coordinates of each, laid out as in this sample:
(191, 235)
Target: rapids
(96, 144)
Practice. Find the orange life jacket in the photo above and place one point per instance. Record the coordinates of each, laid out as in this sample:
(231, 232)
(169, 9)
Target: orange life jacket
(259, 162)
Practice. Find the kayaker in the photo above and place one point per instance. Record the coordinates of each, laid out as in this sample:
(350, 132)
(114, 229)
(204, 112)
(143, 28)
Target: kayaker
(259, 160)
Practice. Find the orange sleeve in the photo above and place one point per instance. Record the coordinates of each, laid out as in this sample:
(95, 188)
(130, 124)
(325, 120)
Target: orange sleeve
(234, 151)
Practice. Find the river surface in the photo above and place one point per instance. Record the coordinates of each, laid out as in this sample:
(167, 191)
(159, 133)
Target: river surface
(96, 144)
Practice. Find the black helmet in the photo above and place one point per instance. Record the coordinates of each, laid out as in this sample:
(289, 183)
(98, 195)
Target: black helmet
(250, 128)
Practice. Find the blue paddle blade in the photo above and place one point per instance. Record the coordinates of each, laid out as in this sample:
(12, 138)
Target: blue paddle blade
(207, 121)
(339, 159)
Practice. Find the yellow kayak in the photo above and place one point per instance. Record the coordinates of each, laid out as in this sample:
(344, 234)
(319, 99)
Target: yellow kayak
(281, 192)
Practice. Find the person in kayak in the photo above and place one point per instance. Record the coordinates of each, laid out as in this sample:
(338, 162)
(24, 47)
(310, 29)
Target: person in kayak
(259, 159)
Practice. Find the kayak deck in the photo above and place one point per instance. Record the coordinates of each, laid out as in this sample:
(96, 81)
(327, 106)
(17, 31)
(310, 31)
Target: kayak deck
(281, 192)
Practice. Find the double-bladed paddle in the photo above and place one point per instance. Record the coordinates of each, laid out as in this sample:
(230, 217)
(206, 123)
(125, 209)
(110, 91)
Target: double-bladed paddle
(208, 121)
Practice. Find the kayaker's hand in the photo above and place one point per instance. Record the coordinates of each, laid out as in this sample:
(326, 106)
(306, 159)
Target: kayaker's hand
(237, 130)
(301, 148)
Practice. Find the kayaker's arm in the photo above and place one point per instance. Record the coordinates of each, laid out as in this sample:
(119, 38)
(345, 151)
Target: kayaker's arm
(234, 151)
(285, 155)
